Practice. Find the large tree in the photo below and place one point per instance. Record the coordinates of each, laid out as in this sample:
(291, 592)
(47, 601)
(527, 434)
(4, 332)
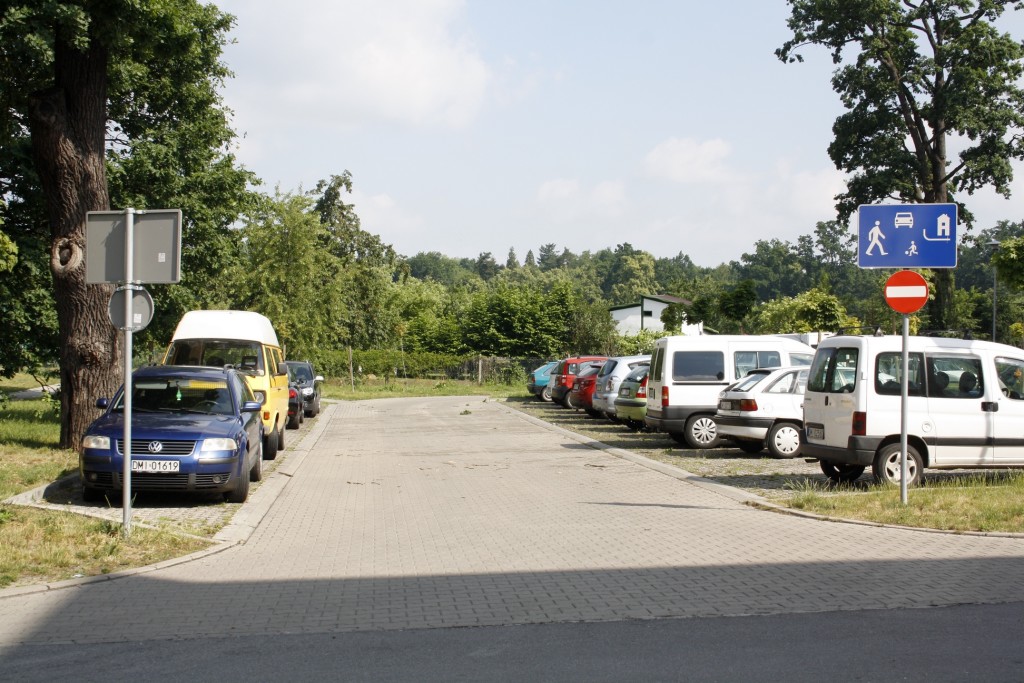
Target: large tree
(79, 80)
(914, 78)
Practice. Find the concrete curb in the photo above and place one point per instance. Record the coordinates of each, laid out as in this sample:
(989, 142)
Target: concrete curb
(236, 532)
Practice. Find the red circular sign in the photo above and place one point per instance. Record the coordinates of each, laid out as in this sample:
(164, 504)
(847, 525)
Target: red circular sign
(906, 291)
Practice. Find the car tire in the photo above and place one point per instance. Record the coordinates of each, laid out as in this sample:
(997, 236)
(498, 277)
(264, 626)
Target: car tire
(841, 472)
(545, 395)
(256, 471)
(240, 493)
(315, 410)
(280, 438)
(293, 420)
(886, 468)
(270, 446)
(784, 440)
(750, 446)
(701, 432)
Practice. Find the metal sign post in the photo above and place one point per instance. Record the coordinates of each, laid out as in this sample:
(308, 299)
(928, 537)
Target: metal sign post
(116, 255)
(906, 292)
(129, 275)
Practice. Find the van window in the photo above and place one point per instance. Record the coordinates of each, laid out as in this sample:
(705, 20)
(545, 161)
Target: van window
(834, 370)
(698, 366)
(745, 361)
(216, 353)
(656, 364)
(1011, 377)
(800, 358)
(954, 377)
(889, 374)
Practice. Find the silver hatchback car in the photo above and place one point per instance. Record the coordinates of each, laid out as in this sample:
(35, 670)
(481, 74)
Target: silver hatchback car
(609, 379)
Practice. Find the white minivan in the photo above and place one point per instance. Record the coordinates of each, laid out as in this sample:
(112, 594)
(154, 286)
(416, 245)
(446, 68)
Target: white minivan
(688, 373)
(965, 406)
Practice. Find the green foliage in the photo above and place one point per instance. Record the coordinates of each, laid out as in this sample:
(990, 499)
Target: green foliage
(917, 78)
(812, 311)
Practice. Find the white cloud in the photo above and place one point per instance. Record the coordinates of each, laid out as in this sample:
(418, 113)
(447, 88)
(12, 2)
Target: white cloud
(686, 160)
(346, 63)
(381, 215)
(558, 189)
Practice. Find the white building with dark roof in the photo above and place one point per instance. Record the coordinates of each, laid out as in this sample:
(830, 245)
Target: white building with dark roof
(646, 315)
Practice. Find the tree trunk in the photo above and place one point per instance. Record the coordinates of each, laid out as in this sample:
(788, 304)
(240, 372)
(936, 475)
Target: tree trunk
(68, 124)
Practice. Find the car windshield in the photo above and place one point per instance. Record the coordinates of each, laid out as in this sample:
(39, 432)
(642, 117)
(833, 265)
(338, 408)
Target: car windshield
(216, 353)
(179, 394)
(301, 373)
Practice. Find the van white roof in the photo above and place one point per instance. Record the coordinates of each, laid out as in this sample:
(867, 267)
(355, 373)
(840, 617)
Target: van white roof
(240, 325)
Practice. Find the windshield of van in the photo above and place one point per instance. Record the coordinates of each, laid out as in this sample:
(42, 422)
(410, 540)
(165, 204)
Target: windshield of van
(217, 353)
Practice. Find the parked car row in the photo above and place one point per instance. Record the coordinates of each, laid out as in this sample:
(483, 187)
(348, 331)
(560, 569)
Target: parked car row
(205, 419)
(839, 404)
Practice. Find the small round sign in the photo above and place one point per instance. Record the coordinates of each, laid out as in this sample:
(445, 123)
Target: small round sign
(906, 292)
(142, 308)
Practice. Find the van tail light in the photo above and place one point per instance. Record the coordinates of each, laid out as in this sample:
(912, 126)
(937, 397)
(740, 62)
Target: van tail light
(860, 423)
(641, 391)
(664, 397)
(748, 405)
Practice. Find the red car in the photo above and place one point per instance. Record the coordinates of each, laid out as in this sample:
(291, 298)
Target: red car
(564, 376)
(582, 394)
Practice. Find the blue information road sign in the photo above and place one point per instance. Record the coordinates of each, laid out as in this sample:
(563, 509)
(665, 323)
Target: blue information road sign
(907, 236)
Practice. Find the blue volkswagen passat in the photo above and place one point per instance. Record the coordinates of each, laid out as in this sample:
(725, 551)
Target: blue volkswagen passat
(193, 429)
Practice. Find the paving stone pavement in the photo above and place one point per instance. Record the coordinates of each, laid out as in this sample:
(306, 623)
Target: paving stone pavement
(459, 511)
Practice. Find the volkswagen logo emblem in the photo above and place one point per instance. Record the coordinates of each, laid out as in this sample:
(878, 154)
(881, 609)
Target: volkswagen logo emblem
(155, 446)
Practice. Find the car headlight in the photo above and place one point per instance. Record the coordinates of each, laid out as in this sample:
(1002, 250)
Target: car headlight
(96, 441)
(307, 391)
(261, 396)
(210, 445)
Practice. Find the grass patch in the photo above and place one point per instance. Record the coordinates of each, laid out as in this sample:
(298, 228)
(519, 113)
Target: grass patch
(29, 457)
(45, 545)
(415, 388)
(976, 502)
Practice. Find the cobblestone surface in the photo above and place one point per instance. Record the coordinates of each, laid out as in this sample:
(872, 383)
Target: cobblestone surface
(760, 474)
(459, 511)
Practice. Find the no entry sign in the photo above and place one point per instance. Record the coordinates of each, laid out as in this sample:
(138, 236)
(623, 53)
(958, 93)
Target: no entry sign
(906, 291)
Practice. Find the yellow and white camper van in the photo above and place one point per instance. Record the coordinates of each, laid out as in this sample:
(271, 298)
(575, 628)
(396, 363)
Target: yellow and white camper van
(247, 341)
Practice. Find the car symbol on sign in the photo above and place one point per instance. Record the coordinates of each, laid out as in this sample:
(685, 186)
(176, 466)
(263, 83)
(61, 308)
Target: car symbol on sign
(904, 219)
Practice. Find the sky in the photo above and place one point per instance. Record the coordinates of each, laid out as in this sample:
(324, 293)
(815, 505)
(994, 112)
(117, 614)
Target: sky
(483, 125)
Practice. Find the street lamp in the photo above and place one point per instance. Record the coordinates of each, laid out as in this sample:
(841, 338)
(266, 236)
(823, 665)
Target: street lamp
(995, 245)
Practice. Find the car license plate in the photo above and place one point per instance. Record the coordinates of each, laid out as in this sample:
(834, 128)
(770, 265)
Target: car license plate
(154, 466)
(624, 392)
(816, 433)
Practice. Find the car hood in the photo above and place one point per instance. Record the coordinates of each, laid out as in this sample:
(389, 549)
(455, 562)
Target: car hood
(167, 426)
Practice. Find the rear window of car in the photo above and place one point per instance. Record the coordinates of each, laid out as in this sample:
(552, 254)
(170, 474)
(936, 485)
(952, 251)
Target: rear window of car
(834, 370)
(638, 373)
(607, 368)
(748, 382)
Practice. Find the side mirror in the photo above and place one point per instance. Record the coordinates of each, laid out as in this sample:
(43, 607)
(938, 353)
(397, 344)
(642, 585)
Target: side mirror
(251, 407)
(282, 369)
(318, 378)
(102, 403)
